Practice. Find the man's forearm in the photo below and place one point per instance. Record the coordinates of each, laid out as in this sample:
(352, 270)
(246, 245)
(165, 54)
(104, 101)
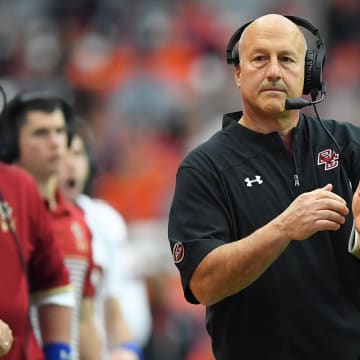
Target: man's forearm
(89, 342)
(55, 323)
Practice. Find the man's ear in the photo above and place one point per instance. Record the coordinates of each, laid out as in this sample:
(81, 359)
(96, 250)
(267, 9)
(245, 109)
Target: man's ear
(237, 75)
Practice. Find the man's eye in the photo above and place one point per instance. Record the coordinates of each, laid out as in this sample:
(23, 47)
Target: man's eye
(41, 132)
(259, 58)
(286, 59)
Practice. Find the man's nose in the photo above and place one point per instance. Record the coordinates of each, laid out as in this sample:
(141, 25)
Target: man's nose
(55, 138)
(274, 69)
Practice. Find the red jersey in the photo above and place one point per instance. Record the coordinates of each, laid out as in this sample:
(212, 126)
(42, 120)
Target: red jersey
(43, 258)
(74, 236)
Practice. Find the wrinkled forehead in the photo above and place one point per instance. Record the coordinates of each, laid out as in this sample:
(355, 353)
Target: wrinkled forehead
(273, 30)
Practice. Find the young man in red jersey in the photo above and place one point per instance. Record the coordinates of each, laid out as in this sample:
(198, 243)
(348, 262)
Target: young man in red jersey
(39, 129)
(31, 261)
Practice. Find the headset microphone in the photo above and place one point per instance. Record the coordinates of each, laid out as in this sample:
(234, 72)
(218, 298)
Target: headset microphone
(296, 103)
(299, 103)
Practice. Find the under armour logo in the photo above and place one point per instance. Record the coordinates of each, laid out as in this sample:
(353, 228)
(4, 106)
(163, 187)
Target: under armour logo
(329, 158)
(257, 179)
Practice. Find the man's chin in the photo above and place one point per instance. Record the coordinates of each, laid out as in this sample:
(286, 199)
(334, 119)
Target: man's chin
(70, 193)
(274, 109)
(273, 104)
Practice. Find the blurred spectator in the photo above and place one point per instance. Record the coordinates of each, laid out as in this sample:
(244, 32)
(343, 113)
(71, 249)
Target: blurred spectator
(343, 21)
(109, 231)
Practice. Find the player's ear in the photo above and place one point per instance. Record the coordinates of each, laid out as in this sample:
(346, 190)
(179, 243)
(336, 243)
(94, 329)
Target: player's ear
(237, 73)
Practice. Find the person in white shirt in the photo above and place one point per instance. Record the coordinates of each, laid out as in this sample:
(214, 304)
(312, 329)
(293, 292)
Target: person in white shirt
(120, 300)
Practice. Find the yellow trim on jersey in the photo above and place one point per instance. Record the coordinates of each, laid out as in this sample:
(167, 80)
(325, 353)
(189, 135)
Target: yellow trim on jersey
(40, 295)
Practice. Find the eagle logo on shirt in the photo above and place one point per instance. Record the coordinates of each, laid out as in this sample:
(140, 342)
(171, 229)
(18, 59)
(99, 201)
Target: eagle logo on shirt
(6, 217)
(178, 252)
(328, 158)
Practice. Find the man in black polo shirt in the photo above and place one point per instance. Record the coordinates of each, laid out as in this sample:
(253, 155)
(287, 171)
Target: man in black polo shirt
(260, 226)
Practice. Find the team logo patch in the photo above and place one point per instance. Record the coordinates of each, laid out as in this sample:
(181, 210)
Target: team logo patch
(328, 158)
(178, 252)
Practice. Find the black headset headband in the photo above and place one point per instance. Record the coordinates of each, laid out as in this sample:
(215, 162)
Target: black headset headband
(295, 19)
(26, 97)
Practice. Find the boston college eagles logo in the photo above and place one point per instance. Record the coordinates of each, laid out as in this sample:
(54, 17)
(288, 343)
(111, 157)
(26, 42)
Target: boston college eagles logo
(328, 158)
(178, 252)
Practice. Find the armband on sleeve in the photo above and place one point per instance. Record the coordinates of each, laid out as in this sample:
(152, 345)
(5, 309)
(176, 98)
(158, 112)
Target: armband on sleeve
(136, 349)
(57, 351)
(64, 296)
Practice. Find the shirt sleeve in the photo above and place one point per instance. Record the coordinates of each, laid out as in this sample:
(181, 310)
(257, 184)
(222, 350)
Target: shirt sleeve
(198, 221)
(47, 257)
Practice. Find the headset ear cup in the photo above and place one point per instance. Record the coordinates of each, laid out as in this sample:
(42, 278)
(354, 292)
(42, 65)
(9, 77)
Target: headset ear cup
(8, 146)
(309, 63)
(69, 119)
(9, 151)
(236, 57)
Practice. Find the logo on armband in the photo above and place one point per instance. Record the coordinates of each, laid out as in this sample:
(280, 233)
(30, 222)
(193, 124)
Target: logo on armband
(178, 252)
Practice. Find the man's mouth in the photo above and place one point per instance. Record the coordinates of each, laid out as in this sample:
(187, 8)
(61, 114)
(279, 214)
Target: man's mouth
(70, 183)
(274, 89)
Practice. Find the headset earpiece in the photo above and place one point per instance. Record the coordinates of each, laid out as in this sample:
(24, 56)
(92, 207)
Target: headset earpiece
(235, 59)
(308, 73)
(232, 54)
(314, 59)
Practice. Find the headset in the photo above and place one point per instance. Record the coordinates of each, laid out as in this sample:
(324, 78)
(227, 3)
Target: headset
(13, 115)
(313, 76)
(314, 63)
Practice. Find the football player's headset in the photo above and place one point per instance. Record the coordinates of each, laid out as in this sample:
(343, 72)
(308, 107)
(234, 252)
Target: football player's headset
(313, 75)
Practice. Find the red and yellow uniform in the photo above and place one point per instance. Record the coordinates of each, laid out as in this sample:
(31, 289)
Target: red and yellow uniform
(74, 237)
(31, 259)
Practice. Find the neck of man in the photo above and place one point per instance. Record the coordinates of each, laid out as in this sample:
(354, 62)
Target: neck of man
(283, 124)
(47, 188)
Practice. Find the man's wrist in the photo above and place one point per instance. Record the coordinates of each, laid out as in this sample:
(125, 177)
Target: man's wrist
(57, 351)
(130, 346)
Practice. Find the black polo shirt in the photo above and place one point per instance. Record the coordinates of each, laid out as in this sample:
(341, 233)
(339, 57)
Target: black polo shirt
(306, 305)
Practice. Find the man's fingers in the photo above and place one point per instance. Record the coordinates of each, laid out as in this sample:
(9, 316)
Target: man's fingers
(6, 338)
